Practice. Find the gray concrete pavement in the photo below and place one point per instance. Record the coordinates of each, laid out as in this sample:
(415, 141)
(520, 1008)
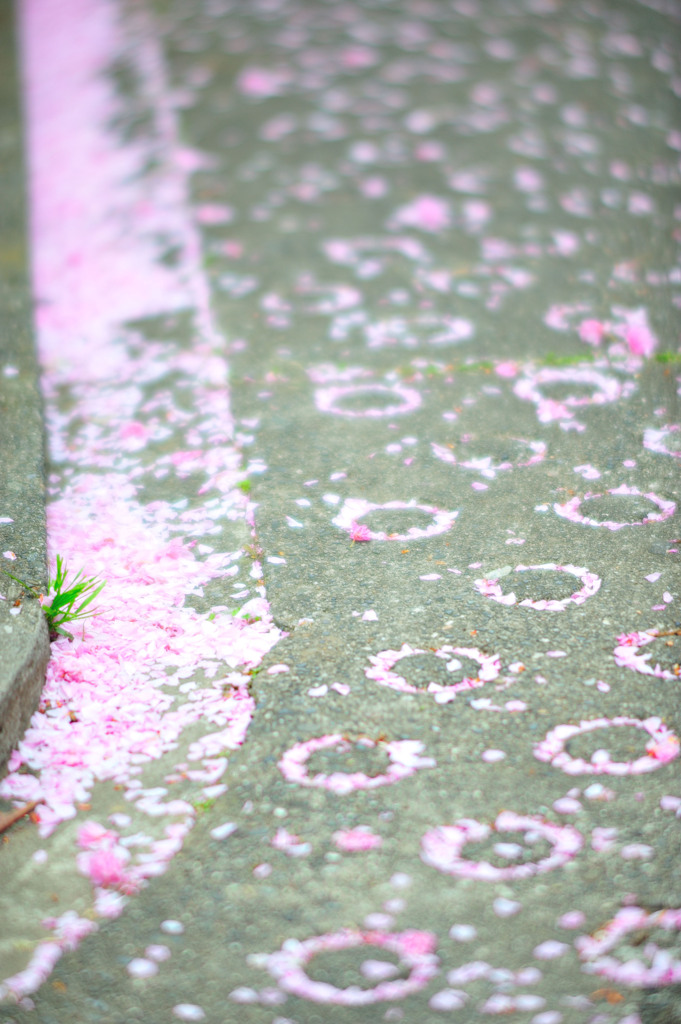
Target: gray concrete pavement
(441, 248)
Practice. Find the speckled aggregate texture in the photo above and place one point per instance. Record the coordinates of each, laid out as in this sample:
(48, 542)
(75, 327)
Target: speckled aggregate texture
(359, 325)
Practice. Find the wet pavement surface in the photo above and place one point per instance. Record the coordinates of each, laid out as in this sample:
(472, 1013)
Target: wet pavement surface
(359, 328)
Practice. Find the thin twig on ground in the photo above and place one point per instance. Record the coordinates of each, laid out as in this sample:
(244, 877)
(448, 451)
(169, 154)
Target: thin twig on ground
(9, 818)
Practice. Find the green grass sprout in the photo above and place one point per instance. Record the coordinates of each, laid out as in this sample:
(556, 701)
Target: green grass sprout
(201, 806)
(554, 359)
(66, 599)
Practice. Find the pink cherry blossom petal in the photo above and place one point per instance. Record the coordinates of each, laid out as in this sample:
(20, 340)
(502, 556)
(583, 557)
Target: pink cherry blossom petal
(188, 1011)
(141, 968)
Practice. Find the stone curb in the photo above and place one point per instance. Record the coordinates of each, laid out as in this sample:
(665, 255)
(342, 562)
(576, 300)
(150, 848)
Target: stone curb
(24, 641)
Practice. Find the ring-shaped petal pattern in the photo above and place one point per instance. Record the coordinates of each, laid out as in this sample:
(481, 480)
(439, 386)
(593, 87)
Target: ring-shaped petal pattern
(605, 390)
(442, 847)
(328, 399)
(662, 747)
(353, 509)
(413, 948)
(485, 465)
(570, 510)
(591, 584)
(404, 756)
(384, 662)
(662, 969)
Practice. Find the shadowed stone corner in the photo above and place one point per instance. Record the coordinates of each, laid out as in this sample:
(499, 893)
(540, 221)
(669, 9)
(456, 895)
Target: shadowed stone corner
(24, 640)
(26, 650)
